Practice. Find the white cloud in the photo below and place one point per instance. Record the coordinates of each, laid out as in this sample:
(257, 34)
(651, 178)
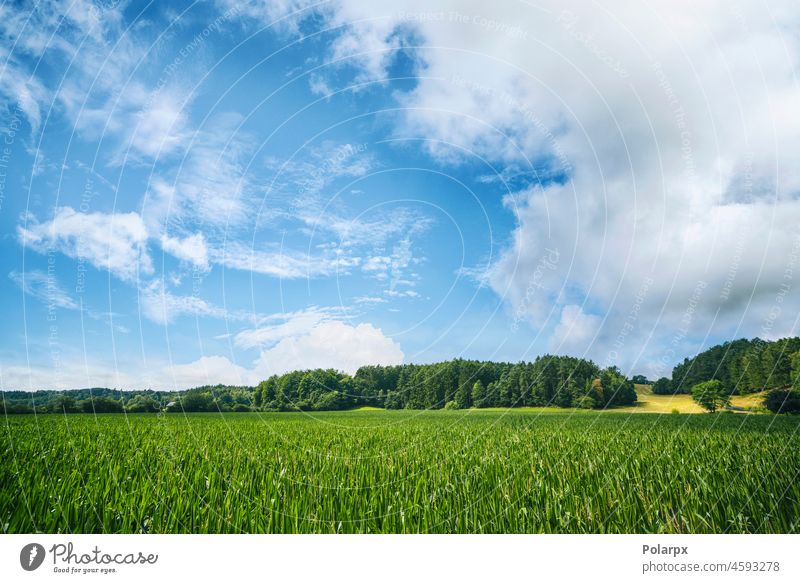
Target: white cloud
(311, 169)
(116, 242)
(26, 91)
(276, 327)
(676, 133)
(27, 30)
(574, 331)
(331, 344)
(284, 15)
(44, 288)
(161, 124)
(285, 264)
(163, 307)
(70, 374)
(148, 122)
(210, 187)
(191, 248)
(300, 345)
(319, 86)
(316, 338)
(76, 373)
(104, 91)
(370, 300)
(207, 370)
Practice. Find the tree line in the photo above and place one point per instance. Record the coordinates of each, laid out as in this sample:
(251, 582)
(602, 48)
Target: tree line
(556, 381)
(737, 367)
(559, 381)
(741, 367)
(103, 400)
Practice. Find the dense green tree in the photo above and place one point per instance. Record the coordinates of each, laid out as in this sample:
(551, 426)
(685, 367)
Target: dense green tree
(14, 408)
(479, 394)
(142, 404)
(662, 386)
(267, 390)
(783, 401)
(615, 389)
(794, 359)
(101, 405)
(195, 401)
(65, 404)
(711, 395)
(393, 400)
(462, 399)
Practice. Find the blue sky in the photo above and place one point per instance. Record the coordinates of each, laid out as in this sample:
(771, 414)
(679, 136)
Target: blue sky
(214, 192)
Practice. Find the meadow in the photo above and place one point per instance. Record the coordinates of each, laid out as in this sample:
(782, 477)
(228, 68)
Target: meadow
(472, 471)
(647, 402)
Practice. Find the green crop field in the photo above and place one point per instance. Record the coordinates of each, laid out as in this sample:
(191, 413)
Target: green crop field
(401, 471)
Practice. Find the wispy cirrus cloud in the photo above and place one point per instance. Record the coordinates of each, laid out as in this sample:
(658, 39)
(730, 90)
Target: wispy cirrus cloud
(209, 189)
(116, 242)
(45, 288)
(284, 264)
(162, 306)
(105, 90)
(274, 328)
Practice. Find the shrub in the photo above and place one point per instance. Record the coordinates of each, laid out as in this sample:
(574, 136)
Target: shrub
(783, 401)
(585, 402)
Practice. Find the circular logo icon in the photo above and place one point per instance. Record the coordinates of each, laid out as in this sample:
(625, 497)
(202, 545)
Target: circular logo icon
(31, 556)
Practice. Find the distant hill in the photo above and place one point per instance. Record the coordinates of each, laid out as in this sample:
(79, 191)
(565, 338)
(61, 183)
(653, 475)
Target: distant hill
(742, 366)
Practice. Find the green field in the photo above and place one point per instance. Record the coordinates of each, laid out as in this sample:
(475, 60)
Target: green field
(401, 471)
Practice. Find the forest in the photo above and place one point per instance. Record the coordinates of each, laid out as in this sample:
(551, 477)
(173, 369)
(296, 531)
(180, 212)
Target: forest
(559, 381)
(741, 366)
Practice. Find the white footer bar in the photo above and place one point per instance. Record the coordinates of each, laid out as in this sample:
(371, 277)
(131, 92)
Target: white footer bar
(406, 558)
